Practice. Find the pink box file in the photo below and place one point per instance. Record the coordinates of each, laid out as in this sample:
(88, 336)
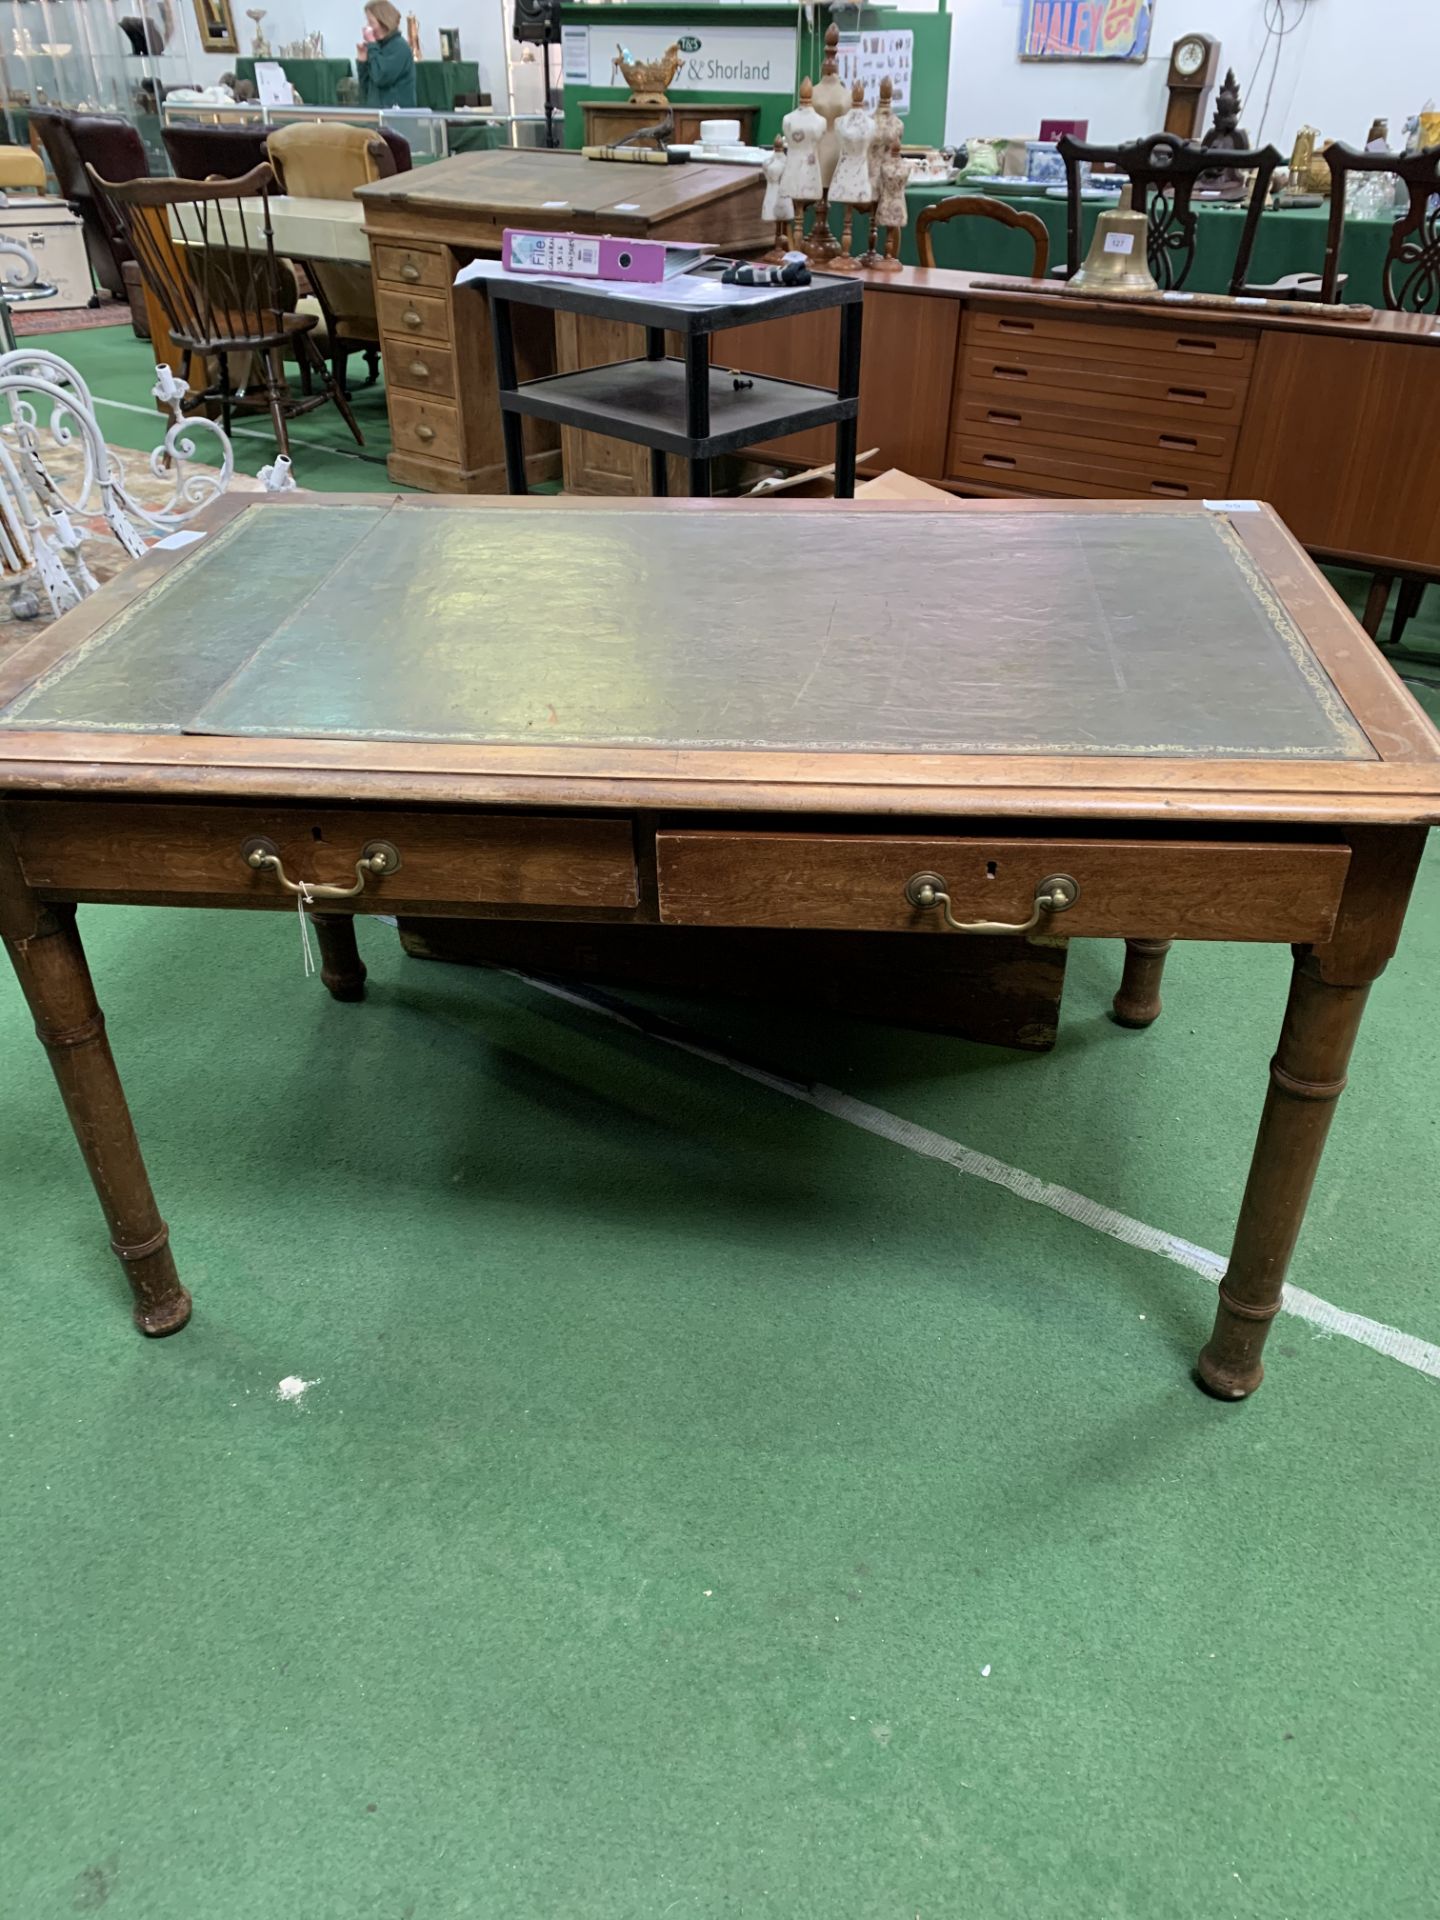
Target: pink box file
(593, 256)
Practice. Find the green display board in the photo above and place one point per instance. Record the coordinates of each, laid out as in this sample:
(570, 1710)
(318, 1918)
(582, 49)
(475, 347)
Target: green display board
(437, 82)
(689, 19)
(316, 81)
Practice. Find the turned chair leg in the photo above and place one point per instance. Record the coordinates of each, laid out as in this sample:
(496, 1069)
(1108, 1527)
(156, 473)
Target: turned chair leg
(1328, 989)
(44, 946)
(1138, 1002)
(341, 967)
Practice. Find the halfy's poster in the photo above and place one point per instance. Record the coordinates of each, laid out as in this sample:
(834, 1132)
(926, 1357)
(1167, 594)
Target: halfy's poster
(1084, 29)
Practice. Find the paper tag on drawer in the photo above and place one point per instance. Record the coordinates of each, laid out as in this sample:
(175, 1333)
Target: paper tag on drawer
(1232, 506)
(1119, 243)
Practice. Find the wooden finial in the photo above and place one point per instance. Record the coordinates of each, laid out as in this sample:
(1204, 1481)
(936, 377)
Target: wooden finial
(832, 51)
(779, 143)
(806, 89)
(857, 94)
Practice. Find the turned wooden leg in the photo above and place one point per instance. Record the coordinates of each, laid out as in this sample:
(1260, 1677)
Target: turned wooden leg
(1328, 989)
(341, 967)
(1137, 1004)
(44, 945)
(1376, 602)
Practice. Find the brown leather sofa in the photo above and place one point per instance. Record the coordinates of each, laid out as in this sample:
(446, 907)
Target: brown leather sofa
(115, 150)
(203, 153)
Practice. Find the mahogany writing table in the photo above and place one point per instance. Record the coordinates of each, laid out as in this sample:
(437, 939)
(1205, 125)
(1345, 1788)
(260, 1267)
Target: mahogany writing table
(1081, 719)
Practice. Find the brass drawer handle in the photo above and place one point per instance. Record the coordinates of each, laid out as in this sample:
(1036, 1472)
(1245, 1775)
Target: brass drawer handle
(1053, 895)
(409, 271)
(378, 856)
(419, 370)
(411, 318)
(422, 432)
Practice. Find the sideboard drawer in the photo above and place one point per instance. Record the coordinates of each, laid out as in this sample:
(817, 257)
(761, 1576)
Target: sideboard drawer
(90, 849)
(999, 458)
(1155, 437)
(1211, 393)
(413, 316)
(1118, 341)
(1155, 889)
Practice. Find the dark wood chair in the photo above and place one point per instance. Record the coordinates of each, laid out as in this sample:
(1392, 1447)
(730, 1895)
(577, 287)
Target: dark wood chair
(1409, 283)
(220, 294)
(1410, 279)
(1165, 172)
(965, 206)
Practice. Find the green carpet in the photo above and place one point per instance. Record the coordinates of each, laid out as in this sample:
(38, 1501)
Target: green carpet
(678, 1459)
(120, 371)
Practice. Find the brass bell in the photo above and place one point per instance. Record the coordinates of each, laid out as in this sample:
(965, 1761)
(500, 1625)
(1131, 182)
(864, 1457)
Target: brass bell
(1117, 261)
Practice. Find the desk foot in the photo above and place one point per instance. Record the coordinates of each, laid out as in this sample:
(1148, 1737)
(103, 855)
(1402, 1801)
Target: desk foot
(1138, 1002)
(1328, 990)
(341, 967)
(44, 946)
(1307, 1077)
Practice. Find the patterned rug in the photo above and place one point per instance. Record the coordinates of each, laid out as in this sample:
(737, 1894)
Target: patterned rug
(28, 321)
(102, 551)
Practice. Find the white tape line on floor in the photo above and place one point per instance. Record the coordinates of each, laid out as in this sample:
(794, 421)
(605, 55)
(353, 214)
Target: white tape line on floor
(1410, 1351)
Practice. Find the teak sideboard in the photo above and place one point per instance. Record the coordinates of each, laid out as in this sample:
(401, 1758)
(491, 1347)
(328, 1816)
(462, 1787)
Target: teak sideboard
(1336, 423)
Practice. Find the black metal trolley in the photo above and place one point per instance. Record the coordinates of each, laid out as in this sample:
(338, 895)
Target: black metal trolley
(686, 406)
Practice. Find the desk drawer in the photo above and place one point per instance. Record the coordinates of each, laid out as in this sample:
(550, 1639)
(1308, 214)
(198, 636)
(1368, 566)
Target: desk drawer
(424, 426)
(1144, 889)
(418, 366)
(413, 267)
(413, 316)
(90, 849)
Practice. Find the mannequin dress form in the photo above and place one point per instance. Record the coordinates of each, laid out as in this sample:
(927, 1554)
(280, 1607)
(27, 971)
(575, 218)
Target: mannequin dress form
(802, 128)
(885, 119)
(777, 205)
(891, 211)
(830, 99)
(851, 184)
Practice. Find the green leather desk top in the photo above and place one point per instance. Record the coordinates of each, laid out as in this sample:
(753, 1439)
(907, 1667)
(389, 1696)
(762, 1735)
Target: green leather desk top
(1116, 632)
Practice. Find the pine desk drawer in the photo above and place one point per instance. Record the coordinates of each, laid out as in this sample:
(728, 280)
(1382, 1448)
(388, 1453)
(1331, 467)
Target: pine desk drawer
(1141, 889)
(413, 266)
(423, 426)
(413, 316)
(418, 367)
(88, 849)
